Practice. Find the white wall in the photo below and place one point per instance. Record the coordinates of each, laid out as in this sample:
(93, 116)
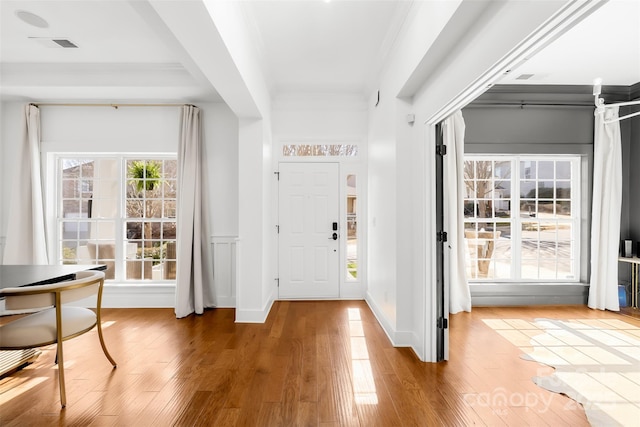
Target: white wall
(132, 130)
(326, 119)
(426, 70)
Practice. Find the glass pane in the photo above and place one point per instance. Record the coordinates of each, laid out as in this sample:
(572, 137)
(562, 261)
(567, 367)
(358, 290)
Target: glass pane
(469, 169)
(545, 209)
(528, 189)
(528, 170)
(169, 230)
(563, 170)
(563, 208)
(70, 168)
(545, 190)
(70, 208)
(86, 186)
(469, 211)
(170, 186)
(135, 208)
(481, 246)
(502, 170)
(322, 150)
(352, 228)
(502, 189)
(70, 188)
(485, 209)
(86, 168)
(85, 208)
(483, 189)
(135, 188)
(545, 169)
(153, 209)
(563, 189)
(134, 230)
(170, 169)
(169, 209)
(547, 249)
(528, 209)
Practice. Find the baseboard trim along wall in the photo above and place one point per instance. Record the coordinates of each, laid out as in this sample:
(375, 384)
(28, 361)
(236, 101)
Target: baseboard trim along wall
(397, 338)
(529, 294)
(254, 316)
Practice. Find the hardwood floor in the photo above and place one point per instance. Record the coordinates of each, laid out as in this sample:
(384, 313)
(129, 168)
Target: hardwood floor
(324, 363)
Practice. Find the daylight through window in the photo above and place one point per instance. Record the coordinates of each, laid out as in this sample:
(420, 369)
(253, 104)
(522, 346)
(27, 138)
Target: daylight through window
(120, 212)
(522, 218)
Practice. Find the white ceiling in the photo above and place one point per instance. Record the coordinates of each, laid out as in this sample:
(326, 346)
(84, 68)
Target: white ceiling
(604, 45)
(126, 53)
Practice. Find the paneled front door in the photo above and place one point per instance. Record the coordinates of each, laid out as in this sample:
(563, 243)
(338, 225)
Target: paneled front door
(309, 239)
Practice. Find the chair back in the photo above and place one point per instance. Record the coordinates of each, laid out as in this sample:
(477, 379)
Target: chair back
(86, 283)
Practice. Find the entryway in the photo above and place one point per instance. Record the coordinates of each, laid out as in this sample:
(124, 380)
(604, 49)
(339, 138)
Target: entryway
(309, 230)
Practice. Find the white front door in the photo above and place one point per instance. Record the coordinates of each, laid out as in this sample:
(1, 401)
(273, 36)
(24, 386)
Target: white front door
(309, 238)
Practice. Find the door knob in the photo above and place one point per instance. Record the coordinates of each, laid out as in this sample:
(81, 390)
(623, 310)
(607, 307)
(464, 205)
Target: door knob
(334, 236)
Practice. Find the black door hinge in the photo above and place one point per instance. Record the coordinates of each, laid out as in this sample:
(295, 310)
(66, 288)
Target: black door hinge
(277, 279)
(441, 150)
(277, 174)
(442, 236)
(278, 229)
(443, 323)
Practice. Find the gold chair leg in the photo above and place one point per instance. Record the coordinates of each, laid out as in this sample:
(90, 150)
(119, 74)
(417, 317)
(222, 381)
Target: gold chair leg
(60, 360)
(104, 347)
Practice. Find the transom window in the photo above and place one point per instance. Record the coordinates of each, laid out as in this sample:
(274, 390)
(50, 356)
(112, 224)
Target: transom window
(522, 218)
(121, 212)
(320, 150)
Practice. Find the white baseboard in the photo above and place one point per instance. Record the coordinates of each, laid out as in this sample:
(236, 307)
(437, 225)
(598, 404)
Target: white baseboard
(254, 316)
(397, 338)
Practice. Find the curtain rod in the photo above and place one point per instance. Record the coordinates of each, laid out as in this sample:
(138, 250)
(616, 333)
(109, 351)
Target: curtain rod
(528, 104)
(53, 104)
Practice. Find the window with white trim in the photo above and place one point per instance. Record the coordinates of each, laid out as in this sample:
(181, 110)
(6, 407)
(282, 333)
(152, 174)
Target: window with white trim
(119, 211)
(522, 218)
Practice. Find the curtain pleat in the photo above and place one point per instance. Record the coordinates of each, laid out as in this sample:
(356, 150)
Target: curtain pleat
(26, 241)
(194, 278)
(606, 211)
(453, 129)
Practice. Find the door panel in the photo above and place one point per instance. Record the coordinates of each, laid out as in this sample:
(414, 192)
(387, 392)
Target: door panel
(308, 253)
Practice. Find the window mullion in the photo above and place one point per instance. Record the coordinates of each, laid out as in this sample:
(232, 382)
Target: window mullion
(517, 220)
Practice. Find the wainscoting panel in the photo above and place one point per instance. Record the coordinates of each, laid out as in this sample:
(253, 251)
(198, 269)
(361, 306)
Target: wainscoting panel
(223, 250)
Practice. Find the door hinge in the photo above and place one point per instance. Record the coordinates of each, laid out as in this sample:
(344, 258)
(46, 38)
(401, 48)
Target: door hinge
(442, 236)
(443, 323)
(441, 150)
(277, 279)
(278, 229)
(277, 174)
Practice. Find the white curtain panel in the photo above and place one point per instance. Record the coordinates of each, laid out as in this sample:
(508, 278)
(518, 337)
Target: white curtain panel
(194, 277)
(606, 211)
(26, 241)
(453, 129)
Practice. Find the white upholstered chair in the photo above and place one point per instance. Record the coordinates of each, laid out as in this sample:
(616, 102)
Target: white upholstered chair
(57, 321)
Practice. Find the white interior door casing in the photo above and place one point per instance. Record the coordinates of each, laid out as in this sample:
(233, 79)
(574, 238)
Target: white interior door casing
(309, 256)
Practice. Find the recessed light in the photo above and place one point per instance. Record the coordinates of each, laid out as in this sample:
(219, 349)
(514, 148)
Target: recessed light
(31, 19)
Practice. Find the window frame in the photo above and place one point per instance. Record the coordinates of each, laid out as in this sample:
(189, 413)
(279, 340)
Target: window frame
(515, 219)
(119, 221)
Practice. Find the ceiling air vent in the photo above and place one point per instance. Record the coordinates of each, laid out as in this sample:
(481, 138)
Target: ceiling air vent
(524, 76)
(55, 42)
(65, 43)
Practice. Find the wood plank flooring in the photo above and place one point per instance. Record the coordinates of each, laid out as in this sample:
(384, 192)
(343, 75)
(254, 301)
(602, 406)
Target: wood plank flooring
(320, 363)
